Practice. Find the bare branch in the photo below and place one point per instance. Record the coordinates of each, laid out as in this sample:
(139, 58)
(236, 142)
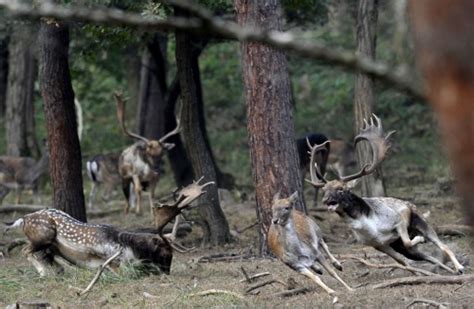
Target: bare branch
(425, 280)
(215, 292)
(209, 24)
(393, 265)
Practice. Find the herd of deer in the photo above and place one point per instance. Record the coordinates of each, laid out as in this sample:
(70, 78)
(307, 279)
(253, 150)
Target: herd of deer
(387, 224)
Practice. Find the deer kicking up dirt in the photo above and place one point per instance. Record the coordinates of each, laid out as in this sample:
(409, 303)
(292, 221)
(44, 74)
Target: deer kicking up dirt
(388, 224)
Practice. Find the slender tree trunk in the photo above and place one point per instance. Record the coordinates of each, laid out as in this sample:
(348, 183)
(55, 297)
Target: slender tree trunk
(20, 90)
(372, 185)
(269, 114)
(58, 97)
(3, 74)
(134, 65)
(443, 39)
(216, 229)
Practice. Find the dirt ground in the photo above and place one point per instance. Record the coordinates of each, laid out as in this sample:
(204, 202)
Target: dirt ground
(190, 275)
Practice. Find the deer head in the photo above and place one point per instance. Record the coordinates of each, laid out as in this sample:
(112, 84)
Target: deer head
(281, 208)
(154, 149)
(337, 192)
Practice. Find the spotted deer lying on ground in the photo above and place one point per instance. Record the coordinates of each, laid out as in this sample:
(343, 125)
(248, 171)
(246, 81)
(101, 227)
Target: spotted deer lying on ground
(297, 241)
(53, 233)
(140, 163)
(103, 171)
(388, 224)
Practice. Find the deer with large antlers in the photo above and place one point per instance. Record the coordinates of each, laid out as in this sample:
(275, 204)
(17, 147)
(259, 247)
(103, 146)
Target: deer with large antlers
(388, 224)
(140, 163)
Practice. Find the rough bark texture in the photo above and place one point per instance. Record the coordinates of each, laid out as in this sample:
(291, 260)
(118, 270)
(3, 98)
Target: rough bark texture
(372, 185)
(444, 46)
(269, 114)
(20, 91)
(3, 74)
(58, 97)
(216, 229)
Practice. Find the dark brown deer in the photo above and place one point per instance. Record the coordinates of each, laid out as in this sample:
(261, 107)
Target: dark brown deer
(52, 233)
(297, 241)
(22, 173)
(388, 224)
(103, 171)
(140, 163)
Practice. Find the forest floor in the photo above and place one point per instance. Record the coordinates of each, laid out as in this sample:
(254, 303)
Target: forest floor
(191, 274)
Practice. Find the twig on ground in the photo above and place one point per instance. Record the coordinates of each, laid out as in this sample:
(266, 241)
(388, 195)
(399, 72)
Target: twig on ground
(214, 292)
(99, 272)
(150, 296)
(248, 227)
(262, 284)
(424, 280)
(429, 302)
(411, 269)
(247, 278)
(223, 257)
(253, 277)
(293, 292)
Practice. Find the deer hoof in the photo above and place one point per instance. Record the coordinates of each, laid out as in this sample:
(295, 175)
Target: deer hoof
(337, 265)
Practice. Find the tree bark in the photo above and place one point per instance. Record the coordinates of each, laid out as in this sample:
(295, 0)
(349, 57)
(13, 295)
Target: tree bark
(269, 114)
(216, 229)
(58, 97)
(3, 73)
(20, 90)
(372, 185)
(443, 39)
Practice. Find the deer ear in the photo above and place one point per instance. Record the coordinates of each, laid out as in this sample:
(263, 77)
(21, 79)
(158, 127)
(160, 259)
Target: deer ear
(168, 146)
(294, 197)
(276, 196)
(352, 184)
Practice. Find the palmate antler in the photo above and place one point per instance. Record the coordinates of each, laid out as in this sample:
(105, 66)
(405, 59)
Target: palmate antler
(379, 143)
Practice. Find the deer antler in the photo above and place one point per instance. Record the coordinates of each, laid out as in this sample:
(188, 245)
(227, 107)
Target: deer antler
(379, 143)
(317, 179)
(121, 116)
(176, 130)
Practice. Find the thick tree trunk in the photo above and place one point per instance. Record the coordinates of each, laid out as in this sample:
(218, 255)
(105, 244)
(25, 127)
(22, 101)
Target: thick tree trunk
(372, 185)
(443, 39)
(269, 112)
(216, 229)
(3, 74)
(58, 97)
(20, 90)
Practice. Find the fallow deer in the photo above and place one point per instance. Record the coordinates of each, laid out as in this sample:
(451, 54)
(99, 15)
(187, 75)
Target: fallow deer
(388, 224)
(140, 163)
(103, 170)
(21, 173)
(297, 241)
(322, 155)
(52, 233)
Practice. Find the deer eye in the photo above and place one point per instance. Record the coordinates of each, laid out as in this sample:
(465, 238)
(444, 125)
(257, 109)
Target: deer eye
(287, 208)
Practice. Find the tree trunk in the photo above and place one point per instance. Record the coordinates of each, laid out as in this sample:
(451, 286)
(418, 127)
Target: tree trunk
(134, 64)
(443, 39)
(269, 114)
(20, 90)
(3, 74)
(372, 185)
(58, 97)
(216, 229)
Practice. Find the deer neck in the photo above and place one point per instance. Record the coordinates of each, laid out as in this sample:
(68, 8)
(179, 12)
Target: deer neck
(353, 207)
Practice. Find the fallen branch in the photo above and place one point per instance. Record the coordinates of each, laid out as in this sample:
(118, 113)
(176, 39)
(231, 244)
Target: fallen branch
(429, 302)
(99, 272)
(262, 284)
(425, 280)
(21, 208)
(411, 269)
(207, 23)
(247, 278)
(223, 257)
(240, 231)
(253, 277)
(214, 292)
(293, 292)
(454, 230)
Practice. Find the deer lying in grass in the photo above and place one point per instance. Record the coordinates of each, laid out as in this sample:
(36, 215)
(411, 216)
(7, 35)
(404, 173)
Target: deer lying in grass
(388, 224)
(296, 240)
(140, 163)
(22, 173)
(103, 170)
(51, 233)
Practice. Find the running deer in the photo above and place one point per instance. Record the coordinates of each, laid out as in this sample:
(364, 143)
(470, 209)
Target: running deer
(388, 224)
(140, 163)
(22, 173)
(297, 241)
(103, 171)
(52, 233)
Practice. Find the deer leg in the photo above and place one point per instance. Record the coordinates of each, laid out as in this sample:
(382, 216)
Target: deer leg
(402, 230)
(321, 260)
(306, 272)
(334, 261)
(91, 195)
(43, 261)
(151, 196)
(429, 258)
(138, 192)
(434, 239)
(18, 196)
